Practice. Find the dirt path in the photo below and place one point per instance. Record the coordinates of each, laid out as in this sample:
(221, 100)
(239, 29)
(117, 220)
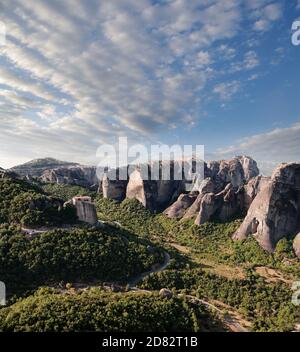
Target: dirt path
(272, 275)
(229, 320)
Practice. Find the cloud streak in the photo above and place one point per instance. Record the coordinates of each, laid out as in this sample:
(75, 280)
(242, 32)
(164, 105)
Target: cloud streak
(77, 73)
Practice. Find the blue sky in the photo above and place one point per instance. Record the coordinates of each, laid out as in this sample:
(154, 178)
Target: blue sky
(75, 74)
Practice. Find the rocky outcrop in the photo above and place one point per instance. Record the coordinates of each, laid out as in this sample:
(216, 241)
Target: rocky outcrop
(35, 168)
(296, 245)
(153, 194)
(60, 172)
(237, 171)
(232, 203)
(85, 209)
(206, 186)
(145, 191)
(165, 293)
(84, 176)
(113, 189)
(275, 211)
(222, 193)
(252, 188)
(178, 209)
(222, 206)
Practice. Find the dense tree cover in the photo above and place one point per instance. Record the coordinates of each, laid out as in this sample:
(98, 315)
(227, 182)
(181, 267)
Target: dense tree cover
(269, 306)
(213, 241)
(81, 254)
(95, 310)
(116, 253)
(210, 241)
(65, 192)
(131, 214)
(26, 204)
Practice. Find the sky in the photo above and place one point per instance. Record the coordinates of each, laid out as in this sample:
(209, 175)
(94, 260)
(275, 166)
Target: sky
(77, 74)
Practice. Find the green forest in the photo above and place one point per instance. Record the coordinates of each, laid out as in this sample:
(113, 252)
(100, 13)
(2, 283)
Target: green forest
(83, 254)
(56, 279)
(95, 310)
(28, 205)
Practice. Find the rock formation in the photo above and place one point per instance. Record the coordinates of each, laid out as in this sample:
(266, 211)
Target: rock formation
(144, 191)
(237, 171)
(222, 206)
(153, 194)
(221, 194)
(85, 209)
(113, 189)
(275, 211)
(178, 209)
(165, 293)
(252, 188)
(84, 176)
(156, 194)
(296, 245)
(35, 168)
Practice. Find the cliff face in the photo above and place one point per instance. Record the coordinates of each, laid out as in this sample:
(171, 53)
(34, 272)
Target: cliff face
(275, 211)
(86, 212)
(113, 189)
(80, 175)
(237, 171)
(154, 195)
(35, 168)
(221, 194)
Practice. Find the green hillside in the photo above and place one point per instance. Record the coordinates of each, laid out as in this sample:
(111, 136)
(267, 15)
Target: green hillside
(95, 310)
(77, 255)
(26, 204)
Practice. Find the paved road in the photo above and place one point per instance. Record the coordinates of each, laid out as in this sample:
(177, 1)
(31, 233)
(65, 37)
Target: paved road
(32, 231)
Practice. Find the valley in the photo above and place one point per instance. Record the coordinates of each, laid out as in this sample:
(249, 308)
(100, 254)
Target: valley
(134, 259)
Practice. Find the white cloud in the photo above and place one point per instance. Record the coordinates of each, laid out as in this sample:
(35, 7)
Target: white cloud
(79, 73)
(266, 16)
(227, 90)
(249, 62)
(227, 52)
(112, 62)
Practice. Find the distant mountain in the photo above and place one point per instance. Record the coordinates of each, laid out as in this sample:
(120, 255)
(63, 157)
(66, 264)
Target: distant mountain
(36, 167)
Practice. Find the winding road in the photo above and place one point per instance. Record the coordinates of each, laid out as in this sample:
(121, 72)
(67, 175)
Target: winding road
(228, 320)
(133, 282)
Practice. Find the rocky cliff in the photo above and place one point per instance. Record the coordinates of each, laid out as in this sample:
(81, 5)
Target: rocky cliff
(35, 168)
(222, 194)
(153, 194)
(84, 176)
(275, 211)
(296, 245)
